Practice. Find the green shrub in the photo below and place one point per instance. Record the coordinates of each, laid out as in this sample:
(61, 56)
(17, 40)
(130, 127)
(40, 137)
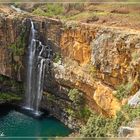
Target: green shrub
(54, 9)
(99, 126)
(57, 57)
(39, 12)
(126, 115)
(115, 123)
(131, 112)
(7, 96)
(49, 10)
(51, 97)
(84, 113)
(79, 109)
(7, 82)
(90, 69)
(17, 48)
(123, 91)
(71, 112)
(76, 97)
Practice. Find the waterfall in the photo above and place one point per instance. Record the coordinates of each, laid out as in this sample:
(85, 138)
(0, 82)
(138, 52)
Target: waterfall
(18, 10)
(40, 80)
(29, 82)
(35, 72)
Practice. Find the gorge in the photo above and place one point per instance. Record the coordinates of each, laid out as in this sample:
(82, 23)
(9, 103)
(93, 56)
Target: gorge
(84, 74)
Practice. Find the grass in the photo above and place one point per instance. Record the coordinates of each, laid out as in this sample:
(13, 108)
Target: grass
(49, 10)
(126, 15)
(79, 16)
(85, 15)
(39, 12)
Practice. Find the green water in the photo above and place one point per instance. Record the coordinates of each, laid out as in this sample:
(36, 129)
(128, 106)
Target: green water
(16, 124)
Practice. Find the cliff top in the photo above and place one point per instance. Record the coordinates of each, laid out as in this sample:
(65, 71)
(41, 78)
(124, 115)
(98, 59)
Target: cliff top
(109, 14)
(125, 16)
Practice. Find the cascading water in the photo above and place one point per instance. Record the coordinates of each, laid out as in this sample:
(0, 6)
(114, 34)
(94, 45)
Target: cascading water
(40, 81)
(35, 72)
(29, 82)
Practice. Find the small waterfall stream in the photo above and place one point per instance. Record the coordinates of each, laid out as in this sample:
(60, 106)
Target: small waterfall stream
(18, 10)
(35, 72)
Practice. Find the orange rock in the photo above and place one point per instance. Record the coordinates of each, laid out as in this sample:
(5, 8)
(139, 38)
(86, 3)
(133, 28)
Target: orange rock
(74, 46)
(104, 98)
(100, 95)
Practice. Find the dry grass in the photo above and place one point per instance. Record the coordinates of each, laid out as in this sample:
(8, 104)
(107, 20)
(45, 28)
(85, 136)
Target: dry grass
(120, 15)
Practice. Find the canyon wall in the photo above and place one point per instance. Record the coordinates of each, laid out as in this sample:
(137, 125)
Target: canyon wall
(94, 59)
(97, 60)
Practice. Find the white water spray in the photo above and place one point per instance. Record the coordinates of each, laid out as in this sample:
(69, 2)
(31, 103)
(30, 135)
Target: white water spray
(35, 73)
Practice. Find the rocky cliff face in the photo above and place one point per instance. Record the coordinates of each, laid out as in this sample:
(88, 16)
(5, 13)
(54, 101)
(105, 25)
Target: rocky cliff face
(12, 46)
(97, 60)
(93, 59)
(101, 62)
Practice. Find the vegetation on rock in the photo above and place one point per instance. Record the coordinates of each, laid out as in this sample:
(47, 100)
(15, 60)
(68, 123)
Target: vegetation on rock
(18, 47)
(76, 97)
(10, 89)
(57, 57)
(79, 109)
(12, 84)
(99, 126)
(90, 69)
(7, 96)
(123, 91)
(90, 13)
(49, 10)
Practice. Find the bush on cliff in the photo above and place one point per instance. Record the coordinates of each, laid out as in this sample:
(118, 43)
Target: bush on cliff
(79, 109)
(18, 46)
(76, 97)
(95, 127)
(123, 91)
(99, 126)
(57, 57)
